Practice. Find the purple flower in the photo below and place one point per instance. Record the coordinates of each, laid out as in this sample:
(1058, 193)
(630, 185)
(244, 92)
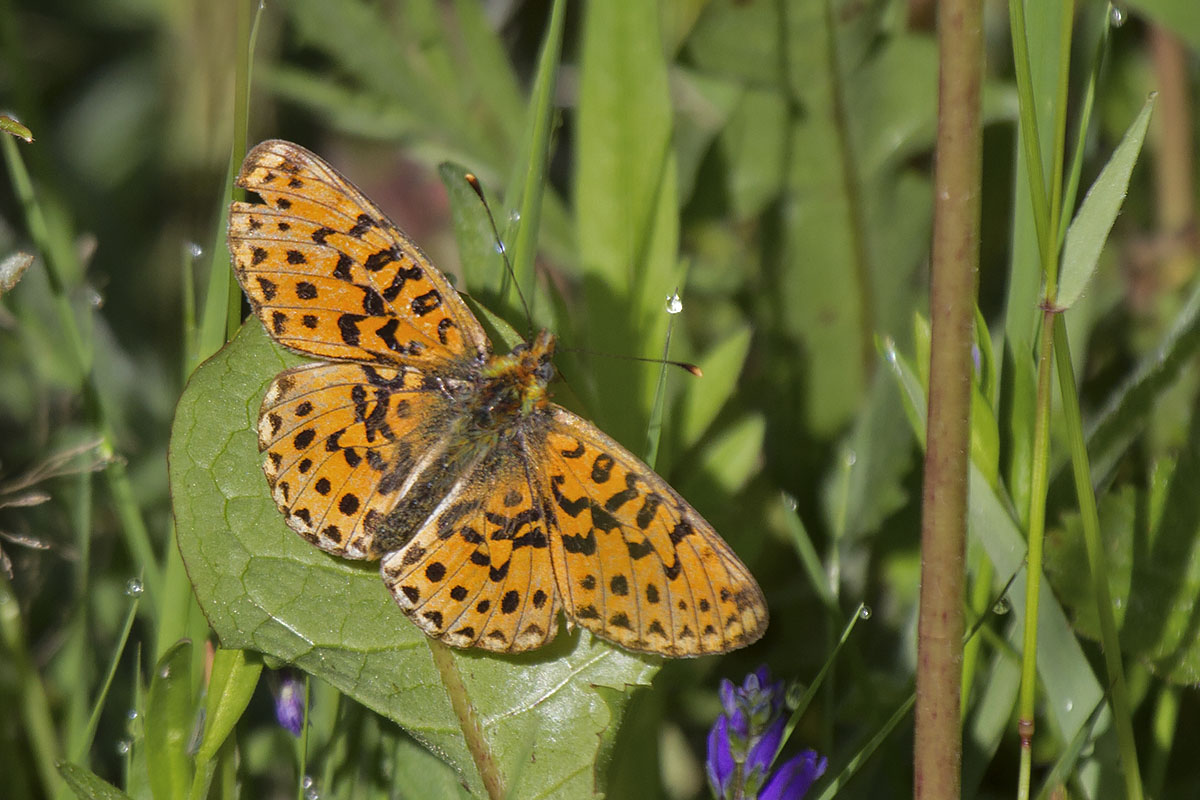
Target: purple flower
(744, 740)
(289, 704)
(720, 759)
(794, 777)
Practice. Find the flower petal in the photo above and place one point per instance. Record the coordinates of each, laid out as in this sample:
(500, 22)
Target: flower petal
(763, 752)
(719, 765)
(794, 777)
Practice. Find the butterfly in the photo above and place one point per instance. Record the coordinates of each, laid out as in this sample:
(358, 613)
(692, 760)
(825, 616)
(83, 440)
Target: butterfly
(489, 507)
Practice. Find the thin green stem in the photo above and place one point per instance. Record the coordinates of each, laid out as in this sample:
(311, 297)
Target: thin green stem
(98, 705)
(1050, 242)
(1097, 562)
(1030, 141)
(1038, 488)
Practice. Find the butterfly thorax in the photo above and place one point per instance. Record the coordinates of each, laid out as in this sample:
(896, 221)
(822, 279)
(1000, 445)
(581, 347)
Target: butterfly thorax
(513, 386)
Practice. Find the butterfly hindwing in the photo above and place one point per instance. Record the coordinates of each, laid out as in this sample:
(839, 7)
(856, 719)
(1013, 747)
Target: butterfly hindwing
(341, 442)
(331, 276)
(478, 572)
(635, 563)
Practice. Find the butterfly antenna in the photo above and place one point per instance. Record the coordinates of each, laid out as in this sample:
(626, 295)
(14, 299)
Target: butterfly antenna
(478, 188)
(686, 366)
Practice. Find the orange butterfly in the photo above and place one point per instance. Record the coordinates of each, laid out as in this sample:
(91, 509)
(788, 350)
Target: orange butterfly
(489, 506)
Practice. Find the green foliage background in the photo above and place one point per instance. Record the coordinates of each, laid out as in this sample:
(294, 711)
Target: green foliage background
(772, 161)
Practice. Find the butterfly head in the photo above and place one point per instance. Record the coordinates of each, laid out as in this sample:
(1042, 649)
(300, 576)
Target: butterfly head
(514, 385)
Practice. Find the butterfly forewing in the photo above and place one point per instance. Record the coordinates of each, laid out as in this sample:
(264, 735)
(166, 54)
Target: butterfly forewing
(331, 276)
(635, 563)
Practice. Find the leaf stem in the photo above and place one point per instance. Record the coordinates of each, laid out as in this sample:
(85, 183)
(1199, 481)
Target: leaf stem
(468, 720)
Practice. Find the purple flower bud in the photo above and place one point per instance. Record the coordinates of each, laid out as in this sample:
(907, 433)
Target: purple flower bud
(289, 704)
(728, 698)
(720, 764)
(794, 777)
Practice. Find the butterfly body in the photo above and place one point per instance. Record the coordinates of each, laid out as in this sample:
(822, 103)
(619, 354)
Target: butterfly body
(489, 507)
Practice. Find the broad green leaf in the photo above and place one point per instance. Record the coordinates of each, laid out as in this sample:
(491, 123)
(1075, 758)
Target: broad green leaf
(264, 588)
(170, 717)
(1090, 228)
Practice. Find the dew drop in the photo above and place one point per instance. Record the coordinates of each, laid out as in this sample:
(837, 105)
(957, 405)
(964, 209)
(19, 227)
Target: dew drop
(790, 501)
(134, 587)
(123, 747)
(1117, 16)
(195, 249)
(1069, 705)
(851, 458)
(165, 672)
(1002, 606)
(514, 216)
(500, 248)
(864, 612)
(674, 303)
(889, 350)
(95, 299)
(131, 715)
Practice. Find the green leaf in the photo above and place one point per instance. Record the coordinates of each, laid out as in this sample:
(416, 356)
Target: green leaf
(529, 175)
(170, 717)
(482, 266)
(703, 398)
(87, 785)
(264, 588)
(732, 455)
(232, 682)
(626, 208)
(1089, 230)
